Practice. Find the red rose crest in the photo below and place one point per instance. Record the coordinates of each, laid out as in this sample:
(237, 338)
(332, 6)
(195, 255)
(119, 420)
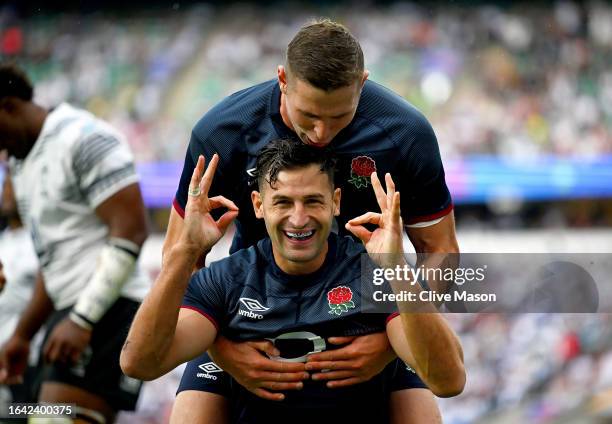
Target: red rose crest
(361, 169)
(339, 299)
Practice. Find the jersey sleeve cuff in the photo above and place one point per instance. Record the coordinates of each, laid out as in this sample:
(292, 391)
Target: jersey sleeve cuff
(178, 208)
(204, 314)
(424, 219)
(392, 316)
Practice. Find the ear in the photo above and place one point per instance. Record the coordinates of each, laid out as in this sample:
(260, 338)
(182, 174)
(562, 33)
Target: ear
(282, 78)
(337, 201)
(257, 201)
(366, 74)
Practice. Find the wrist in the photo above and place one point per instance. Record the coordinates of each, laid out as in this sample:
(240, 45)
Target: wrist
(81, 321)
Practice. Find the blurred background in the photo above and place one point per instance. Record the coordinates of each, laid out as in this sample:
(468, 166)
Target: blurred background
(520, 97)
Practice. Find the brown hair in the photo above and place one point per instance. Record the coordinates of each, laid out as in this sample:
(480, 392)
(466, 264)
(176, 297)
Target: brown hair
(326, 55)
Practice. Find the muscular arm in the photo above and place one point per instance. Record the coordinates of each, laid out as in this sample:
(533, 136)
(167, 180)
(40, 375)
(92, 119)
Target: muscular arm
(124, 214)
(162, 335)
(427, 343)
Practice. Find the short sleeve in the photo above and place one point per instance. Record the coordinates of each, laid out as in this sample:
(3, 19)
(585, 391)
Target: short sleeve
(207, 296)
(219, 185)
(103, 165)
(425, 195)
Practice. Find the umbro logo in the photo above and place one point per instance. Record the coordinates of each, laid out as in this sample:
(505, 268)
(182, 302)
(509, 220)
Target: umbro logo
(209, 369)
(251, 172)
(253, 307)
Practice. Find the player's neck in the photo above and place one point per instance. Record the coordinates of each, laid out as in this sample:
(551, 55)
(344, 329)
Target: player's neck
(300, 268)
(283, 112)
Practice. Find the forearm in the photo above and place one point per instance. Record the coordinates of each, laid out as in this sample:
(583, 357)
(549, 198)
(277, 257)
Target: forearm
(436, 352)
(37, 311)
(433, 348)
(154, 326)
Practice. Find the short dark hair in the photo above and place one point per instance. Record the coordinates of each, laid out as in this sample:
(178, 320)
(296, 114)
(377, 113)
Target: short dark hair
(14, 82)
(283, 154)
(326, 55)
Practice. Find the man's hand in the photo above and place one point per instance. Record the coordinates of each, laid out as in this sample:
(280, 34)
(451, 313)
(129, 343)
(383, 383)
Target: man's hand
(361, 359)
(384, 244)
(200, 230)
(2, 278)
(66, 343)
(248, 364)
(14, 360)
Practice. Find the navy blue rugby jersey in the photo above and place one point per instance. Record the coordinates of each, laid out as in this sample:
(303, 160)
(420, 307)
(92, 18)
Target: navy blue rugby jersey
(247, 296)
(387, 134)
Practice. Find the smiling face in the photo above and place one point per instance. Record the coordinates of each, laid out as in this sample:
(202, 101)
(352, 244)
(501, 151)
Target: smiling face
(316, 115)
(298, 210)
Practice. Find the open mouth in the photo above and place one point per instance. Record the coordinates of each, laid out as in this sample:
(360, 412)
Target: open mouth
(299, 235)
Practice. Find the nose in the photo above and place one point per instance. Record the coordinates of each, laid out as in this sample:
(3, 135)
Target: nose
(323, 132)
(298, 218)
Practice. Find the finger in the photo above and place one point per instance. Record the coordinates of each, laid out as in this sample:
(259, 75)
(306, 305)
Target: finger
(333, 375)
(280, 366)
(222, 202)
(47, 350)
(330, 355)
(225, 220)
(264, 346)
(334, 384)
(366, 218)
(277, 385)
(341, 340)
(209, 174)
(390, 189)
(284, 377)
(264, 394)
(337, 365)
(360, 232)
(381, 197)
(196, 176)
(395, 208)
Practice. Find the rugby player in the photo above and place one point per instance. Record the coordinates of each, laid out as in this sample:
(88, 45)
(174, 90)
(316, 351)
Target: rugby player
(321, 96)
(78, 194)
(290, 279)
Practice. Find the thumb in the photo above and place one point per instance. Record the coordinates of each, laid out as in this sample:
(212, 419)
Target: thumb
(265, 346)
(341, 340)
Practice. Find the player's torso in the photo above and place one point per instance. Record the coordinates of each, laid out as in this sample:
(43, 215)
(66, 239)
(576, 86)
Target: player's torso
(327, 303)
(48, 195)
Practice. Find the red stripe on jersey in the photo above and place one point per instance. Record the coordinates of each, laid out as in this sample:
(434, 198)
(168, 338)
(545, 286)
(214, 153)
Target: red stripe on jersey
(178, 208)
(431, 217)
(390, 317)
(204, 314)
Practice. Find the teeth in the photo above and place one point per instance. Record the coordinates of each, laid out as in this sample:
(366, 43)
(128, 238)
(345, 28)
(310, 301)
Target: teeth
(300, 235)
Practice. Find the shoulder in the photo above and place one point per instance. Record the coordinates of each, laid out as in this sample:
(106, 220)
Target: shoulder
(231, 270)
(402, 121)
(240, 110)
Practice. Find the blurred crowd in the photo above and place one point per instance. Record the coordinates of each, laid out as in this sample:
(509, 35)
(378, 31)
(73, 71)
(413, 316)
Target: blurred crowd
(516, 81)
(539, 366)
(519, 80)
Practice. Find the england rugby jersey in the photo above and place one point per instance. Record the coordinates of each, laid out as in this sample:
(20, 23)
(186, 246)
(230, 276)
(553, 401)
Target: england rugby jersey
(77, 162)
(247, 296)
(387, 134)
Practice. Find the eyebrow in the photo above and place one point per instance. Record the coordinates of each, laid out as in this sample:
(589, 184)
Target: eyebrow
(312, 115)
(308, 197)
